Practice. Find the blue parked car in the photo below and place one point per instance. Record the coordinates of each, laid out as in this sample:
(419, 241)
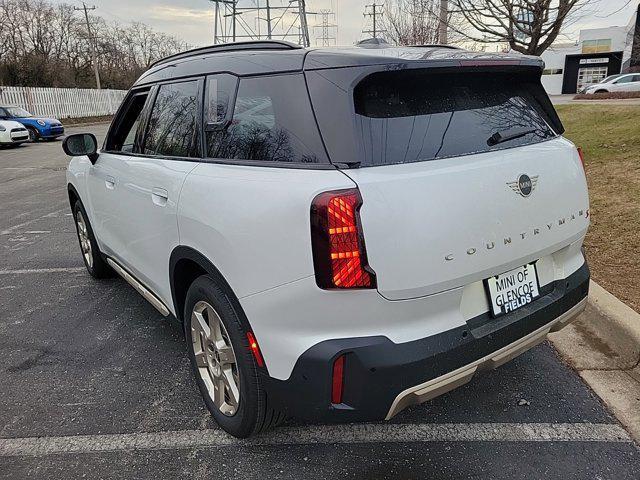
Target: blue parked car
(38, 127)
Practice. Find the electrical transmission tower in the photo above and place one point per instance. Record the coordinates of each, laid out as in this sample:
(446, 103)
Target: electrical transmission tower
(236, 20)
(326, 28)
(375, 12)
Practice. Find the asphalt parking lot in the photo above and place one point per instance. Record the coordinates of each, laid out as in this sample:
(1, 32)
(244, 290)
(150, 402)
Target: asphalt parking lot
(94, 383)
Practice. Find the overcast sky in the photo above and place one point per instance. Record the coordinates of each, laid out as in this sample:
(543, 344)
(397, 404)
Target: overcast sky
(192, 20)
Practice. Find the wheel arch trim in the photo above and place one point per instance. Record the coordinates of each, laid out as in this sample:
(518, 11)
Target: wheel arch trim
(183, 252)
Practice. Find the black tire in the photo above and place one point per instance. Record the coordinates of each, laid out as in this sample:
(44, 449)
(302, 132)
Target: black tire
(253, 415)
(96, 266)
(34, 136)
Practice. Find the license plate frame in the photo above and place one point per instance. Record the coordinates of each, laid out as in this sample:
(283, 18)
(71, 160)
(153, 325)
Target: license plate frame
(511, 290)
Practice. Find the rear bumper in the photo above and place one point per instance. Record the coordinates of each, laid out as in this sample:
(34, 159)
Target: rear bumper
(382, 377)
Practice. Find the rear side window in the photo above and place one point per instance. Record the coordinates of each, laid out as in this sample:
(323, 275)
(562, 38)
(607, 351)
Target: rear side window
(272, 122)
(414, 116)
(172, 127)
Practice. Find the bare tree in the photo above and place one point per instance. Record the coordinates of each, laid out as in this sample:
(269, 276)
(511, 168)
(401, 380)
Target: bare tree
(527, 26)
(42, 44)
(418, 22)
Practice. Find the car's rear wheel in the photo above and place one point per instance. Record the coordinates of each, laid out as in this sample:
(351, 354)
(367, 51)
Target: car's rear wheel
(93, 259)
(225, 369)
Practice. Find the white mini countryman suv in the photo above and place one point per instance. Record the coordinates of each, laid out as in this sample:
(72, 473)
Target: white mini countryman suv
(342, 232)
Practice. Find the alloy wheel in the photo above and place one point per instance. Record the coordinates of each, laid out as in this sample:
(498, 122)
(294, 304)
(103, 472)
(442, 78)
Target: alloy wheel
(83, 236)
(215, 358)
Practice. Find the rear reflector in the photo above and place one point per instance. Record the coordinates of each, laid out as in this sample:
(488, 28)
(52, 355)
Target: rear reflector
(581, 153)
(255, 349)
(339, 254)
(337, 381)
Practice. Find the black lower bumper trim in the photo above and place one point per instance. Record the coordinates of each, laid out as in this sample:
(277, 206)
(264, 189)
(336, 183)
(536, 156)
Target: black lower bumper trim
(377, 370)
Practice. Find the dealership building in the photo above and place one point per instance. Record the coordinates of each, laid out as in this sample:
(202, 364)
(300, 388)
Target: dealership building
(598, 53)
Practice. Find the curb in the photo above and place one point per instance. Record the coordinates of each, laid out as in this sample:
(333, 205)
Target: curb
(603, 345)
(621, 327)
(88, 124)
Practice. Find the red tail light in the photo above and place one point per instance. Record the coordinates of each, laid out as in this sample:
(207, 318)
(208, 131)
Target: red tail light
(581, 153)
(337, 380)
(339, 255)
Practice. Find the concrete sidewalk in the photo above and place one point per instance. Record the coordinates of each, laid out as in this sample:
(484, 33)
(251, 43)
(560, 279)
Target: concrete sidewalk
(568, 100)
(603, 345)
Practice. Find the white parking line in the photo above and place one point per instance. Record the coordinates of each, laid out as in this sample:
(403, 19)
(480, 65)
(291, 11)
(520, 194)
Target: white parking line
(41, 270)
(332, 434)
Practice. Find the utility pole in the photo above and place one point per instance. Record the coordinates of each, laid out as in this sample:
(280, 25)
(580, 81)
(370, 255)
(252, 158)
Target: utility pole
(375, 11)
(444, 20)
(94, 60)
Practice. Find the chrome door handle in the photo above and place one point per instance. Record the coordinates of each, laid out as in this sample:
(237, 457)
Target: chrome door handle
(110, 182)
(159, 196)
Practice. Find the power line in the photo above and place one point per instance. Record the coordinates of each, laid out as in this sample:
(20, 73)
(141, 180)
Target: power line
(92, 39)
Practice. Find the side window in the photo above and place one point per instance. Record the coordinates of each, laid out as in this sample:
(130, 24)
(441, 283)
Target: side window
(272, 122)
(123, 137)
(172, 128)
(624, 80)
(3, 113)
(636, 78)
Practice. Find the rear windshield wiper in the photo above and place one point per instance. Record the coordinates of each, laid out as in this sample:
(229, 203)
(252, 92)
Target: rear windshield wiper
(508, 135)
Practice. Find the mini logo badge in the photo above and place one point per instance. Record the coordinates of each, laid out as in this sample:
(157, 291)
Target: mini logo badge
(525, 185)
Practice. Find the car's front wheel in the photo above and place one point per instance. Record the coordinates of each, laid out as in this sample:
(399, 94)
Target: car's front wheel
(225, 369)
(93, 259)
(34, 136)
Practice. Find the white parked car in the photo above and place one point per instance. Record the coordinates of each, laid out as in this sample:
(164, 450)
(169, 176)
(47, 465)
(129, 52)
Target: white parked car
(12, 133)
(629, 82)
(342, 232)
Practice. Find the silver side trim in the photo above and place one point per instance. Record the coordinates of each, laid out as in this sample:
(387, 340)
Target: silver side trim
(433, 388)
(142, 290)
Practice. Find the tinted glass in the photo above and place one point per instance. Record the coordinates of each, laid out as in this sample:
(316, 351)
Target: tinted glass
(415, 116)
(624, 80)
(172, 125)
(123, 135)
(272, 122)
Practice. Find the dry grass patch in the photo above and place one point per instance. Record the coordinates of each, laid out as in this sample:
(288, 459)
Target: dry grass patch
(610, 138)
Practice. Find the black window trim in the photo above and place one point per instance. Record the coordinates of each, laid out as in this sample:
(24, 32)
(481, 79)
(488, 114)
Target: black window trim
(213, 126)
(152, 89)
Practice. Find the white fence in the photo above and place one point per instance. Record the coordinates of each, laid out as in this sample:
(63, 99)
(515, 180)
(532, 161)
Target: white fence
(63, 102)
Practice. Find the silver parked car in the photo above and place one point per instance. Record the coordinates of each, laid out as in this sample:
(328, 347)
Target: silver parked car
(629, 82)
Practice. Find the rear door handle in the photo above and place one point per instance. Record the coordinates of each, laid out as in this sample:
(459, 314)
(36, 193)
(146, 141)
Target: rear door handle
(110, 182)
(159, 196)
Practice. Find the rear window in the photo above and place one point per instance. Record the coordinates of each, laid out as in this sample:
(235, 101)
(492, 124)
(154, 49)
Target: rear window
(414, 116)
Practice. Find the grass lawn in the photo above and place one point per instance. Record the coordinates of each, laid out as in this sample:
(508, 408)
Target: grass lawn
(610, 139)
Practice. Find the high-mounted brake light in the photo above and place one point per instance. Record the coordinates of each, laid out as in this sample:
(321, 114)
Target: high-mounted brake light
(339, 254)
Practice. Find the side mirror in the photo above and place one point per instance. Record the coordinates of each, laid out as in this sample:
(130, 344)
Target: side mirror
(81, 144)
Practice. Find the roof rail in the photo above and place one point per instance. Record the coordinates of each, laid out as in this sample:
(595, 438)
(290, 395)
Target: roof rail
(231, 47)
(436, 45)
